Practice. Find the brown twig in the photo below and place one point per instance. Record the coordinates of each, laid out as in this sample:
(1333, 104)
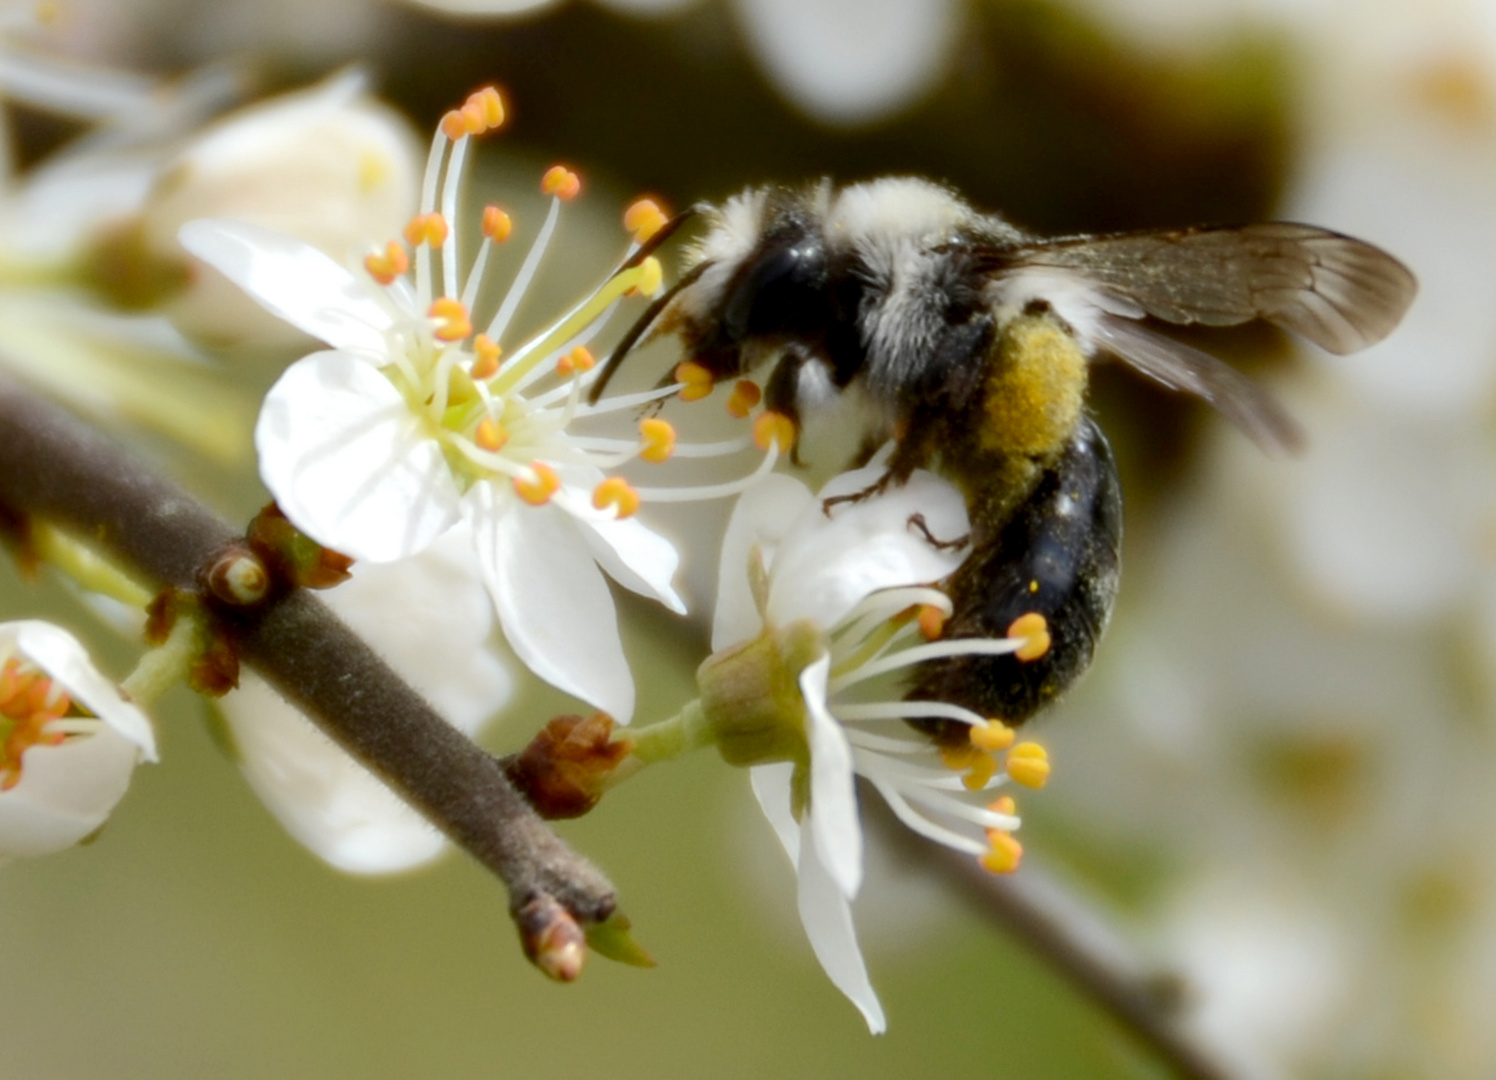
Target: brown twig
(55, 466)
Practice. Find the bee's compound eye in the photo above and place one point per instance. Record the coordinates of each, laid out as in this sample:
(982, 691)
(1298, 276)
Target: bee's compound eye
(779, 292)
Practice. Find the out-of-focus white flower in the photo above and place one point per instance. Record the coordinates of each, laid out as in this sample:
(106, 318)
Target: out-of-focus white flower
(328, 165)
(440, 642)
(69, 741)
(812, 611)
(412, 422)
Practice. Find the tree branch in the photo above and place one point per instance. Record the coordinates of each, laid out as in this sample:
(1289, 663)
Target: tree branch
(57, 467)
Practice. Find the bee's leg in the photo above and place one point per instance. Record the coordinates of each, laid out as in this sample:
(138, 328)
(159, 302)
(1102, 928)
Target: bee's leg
(781, 393)
(918, 524)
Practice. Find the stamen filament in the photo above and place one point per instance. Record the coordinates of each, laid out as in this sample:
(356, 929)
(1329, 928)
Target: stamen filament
(434, 158)
(936, 650)
(526, 274)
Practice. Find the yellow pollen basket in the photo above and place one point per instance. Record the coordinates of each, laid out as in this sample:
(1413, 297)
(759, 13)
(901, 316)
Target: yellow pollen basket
(1034, 394)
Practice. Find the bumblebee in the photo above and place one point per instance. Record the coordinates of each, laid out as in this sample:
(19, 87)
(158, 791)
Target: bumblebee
(972, 341)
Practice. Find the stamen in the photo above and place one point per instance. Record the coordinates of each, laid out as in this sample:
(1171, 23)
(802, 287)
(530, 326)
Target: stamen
(1003, 804)
(452, 319)
(497, 225)
(713, 491)
(580, 359)
(526, 275)
(537, 488)
(429, 229)
(1034, 629)
(658, 437)
(977, 767)
(931, 622)
(650, 277)
(483, 111)
(772, 428)
(487, 362)
(561, 183)
(1028, 764)
(384, 267)
(917, 822)
(992, 736)
(490, 435)
(745, 395)
(453, 124)
(697, 382)
(644, 218)
(936, 650)
(1005, 854)
(615, 491)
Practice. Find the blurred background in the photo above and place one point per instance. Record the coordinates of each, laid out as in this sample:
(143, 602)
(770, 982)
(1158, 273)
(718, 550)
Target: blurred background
(1276, 781)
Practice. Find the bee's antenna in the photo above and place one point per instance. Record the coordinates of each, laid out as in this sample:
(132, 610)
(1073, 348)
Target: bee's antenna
(638, 330)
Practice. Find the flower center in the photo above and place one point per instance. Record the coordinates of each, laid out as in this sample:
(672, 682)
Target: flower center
(29, 702)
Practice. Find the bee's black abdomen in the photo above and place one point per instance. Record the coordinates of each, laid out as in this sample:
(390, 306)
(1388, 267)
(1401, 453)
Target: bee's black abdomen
(1058, 554)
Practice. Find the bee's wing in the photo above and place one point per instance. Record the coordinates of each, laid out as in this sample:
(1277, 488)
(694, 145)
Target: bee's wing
(1340, 293)
(1182, 367)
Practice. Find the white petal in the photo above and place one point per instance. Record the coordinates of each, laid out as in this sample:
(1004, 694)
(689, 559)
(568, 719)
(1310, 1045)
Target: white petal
(553, 602)
(825, 566)
(762, 516)
(827, 917)
(634, 555)
(832, 817)
(293, 280)
(64, 658)
(323, 798)
(349, 463)
(65, 793)
(851, 61)
(772, 786)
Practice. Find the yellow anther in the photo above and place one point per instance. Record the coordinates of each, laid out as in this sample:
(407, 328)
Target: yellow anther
(745, 395)
(537, 488)
(454, 125)
(1034, 629)
(384, 267)
(771, 428)
(490, 435)
(992, 736)
(1004, 854)
(579, 359)
(615, 491)
(931, 622)
(1028, 764)
(658, 437)
(497, 225)
(651, 277)
(644, 218)
(486, 363)
(486, 108)
(976, 766)
(1003, 804)
(561, 182)
(696, 381)
(430, 229)
(452, 323)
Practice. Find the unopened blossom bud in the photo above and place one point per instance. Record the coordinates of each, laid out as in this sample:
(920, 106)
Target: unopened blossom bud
(328, 165)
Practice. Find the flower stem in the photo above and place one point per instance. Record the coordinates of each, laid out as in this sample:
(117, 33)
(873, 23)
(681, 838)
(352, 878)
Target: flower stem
(687, 730)
(167, 664)
(88, 567)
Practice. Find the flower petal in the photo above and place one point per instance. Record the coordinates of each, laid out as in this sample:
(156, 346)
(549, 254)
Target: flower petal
(553, 602)
(762, 516)
(832, 817)
(65, 793)
(323, 798)
(826, 566)
(349, 463)
(292, 280)
(634, 555)
(63, 657)
(772, 786)
(827, 917)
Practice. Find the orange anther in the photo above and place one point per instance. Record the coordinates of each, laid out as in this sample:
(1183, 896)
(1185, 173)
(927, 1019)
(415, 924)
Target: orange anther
(486, 363)
(745, 395)
(696, 381)
(486, 108)
(615, 491)
(773, 428)
(451, 318)
(497, 225)
(1004, 855)
(430, 229)
(931, 622)
(384, 267)
(1003, 804)
(658, 437)
(977, 766)
(1028, 764)
(537, 488)
(490, 435)
(1034, 628)
(579, 359)
(992, 736)
(644, 218)
(561, 182)
(453, 124)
